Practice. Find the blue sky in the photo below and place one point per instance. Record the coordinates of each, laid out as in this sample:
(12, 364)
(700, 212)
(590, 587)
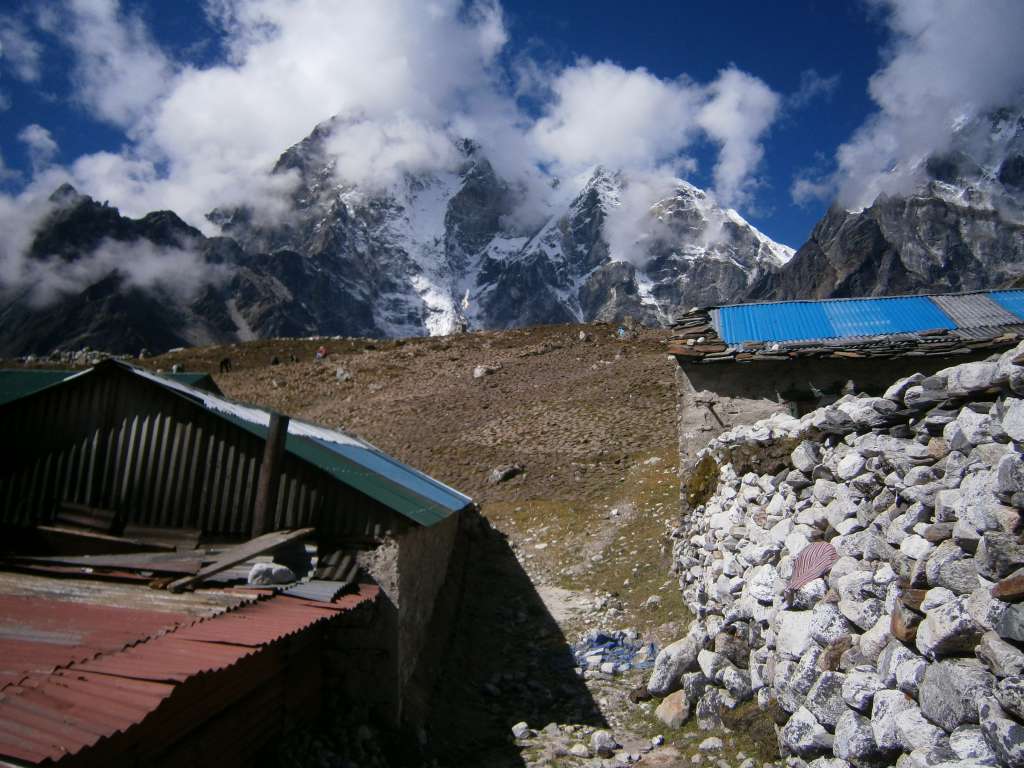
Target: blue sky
(184, 104)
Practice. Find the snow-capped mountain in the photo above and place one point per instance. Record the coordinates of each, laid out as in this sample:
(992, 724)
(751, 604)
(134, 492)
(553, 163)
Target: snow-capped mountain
(435, 251)
(961, 228)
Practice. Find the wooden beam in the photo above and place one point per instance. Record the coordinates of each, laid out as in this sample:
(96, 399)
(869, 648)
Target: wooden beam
(270, 475)
(239, 554)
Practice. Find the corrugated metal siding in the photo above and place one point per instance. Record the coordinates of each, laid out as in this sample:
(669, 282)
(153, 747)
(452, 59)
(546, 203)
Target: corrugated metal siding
(975, 310)
(875, 317)
(773, 322)
(212, 693)
(807, 320)
(108, 441)
(1011, 301)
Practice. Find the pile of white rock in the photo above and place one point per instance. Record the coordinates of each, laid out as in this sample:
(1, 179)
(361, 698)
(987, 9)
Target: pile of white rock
(907, 651)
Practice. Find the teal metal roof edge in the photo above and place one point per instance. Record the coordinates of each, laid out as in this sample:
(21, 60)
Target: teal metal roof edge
(388, 492)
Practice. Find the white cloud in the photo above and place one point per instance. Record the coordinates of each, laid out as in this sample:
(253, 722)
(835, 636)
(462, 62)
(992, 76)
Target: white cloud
(812, 86)
(947, 61)
(179, 271)
(18, 50)
(634, 121)
(119, 70)
(620, 118)
(404, 77)
(808, 188)
(374, 154)
(740, 110)
(41, 146)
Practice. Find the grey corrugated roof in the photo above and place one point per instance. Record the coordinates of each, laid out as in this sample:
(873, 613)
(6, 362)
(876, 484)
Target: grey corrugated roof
(974, 310)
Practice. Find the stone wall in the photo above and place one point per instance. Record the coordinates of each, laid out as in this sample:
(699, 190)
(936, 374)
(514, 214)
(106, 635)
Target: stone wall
(715, 397)
(904, 645)
(412, 571)
(423, 558)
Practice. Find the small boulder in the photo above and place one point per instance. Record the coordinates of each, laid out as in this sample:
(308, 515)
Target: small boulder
(804, 736)
(674, 710)
(950, 690)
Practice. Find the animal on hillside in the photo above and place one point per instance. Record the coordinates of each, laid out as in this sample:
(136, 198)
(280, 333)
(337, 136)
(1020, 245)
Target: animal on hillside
(225, 365)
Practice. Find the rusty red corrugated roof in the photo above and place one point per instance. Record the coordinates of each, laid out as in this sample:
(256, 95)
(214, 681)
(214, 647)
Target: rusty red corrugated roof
(50, 716)
(38, 635)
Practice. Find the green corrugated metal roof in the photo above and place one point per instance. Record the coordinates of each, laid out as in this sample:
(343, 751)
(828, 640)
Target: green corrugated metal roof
(347, 459)
(391, 493)
(16, 383)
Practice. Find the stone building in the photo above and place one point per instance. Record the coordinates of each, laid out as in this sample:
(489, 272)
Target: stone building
(739, 364)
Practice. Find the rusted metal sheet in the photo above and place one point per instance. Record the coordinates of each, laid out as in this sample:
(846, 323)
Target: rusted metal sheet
(39, 635)
(171, 686)
(318, 590)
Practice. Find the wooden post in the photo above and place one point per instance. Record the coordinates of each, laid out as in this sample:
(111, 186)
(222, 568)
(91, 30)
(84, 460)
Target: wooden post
(270, 475)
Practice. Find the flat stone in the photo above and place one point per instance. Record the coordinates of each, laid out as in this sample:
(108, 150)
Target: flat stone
(806, 456)
(886, 705)
(1002, 658)
(711, 744)
(1010, 692)
(1005, 736)
(825, 699)
(1013, 418)
(804, 736)
(863, 613)
(793, 633)
(738, 683)
(520, 731)
(937, 596)
(1009, 475)
(1009, 624)
(916, 732)
(937, 533)
(946, 552)
(1010, 589)
(674, 710)
(984, 608)
(875, 639)
(968, 743)
(710, 707)
(789, 696)
(859, 688)
(675, 659)
(916, 547)
(894, 654)
(947, 629)
(828, 624)
(903, 623)
(999, 554)
(949, 692)
(896, 391)
(854, 738)
(959, 576)
(603, 743)
(971, 378)
(850, 466)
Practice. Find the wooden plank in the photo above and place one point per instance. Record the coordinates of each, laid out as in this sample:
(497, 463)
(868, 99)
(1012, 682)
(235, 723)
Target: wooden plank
(270, 474)
(158, 562)
(179, 538)
(239, 554)
(82, 542)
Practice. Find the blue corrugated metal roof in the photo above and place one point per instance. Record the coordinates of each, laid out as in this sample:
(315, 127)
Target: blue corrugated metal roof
(1011, 301)
(832, 319)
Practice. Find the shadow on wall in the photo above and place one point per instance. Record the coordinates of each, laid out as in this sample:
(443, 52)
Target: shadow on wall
(507, 661)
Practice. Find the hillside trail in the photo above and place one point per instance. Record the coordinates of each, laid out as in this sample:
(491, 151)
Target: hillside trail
(579, 536)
